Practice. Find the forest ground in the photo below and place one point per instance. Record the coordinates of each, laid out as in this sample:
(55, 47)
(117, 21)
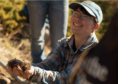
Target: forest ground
(14, 49)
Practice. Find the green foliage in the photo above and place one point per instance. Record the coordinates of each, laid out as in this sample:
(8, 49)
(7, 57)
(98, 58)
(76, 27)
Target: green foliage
(10, 17)
(109, 8)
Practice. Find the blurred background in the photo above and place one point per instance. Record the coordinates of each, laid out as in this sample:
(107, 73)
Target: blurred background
(14, 18)
(15, 29)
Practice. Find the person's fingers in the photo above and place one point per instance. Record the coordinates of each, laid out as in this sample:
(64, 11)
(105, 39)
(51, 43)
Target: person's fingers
(19, 68)
(21, 73)
(15, 71)
(30, 72)
(18, 71)
(9, 68)
(27, 73)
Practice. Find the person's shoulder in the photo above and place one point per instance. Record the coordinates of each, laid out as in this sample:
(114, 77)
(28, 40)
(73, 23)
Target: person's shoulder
(64, 40)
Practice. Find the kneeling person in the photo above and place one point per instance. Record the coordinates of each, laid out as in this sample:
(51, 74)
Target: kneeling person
(56, 69)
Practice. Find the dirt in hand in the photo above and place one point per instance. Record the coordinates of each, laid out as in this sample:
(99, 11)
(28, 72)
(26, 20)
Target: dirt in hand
(15, 63)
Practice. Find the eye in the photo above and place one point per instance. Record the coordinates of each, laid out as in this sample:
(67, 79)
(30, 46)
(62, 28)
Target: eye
(76, 13)
(86, 16)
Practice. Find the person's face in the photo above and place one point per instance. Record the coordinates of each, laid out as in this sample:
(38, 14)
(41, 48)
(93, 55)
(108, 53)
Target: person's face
(81, 23)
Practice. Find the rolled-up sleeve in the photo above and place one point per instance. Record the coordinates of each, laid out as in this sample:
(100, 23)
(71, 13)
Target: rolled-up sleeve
(51, 77)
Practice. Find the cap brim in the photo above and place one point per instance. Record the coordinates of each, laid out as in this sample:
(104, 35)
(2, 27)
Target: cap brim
(75, 5)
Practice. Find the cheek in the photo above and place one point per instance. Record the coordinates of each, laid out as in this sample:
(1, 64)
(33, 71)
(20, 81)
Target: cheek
(89, 25)
(71, 21)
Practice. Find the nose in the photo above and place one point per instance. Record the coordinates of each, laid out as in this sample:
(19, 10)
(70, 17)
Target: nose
(78, 18)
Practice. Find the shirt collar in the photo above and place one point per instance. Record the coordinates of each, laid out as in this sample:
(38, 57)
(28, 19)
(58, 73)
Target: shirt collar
(90, 40)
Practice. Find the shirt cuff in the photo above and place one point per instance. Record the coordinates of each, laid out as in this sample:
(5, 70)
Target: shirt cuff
(36, 77)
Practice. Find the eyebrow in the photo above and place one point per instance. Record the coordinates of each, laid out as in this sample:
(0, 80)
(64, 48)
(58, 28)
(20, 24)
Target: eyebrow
(81, 12)
(78, 11)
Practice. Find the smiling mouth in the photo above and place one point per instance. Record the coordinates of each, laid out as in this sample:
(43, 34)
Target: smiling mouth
(76, 25)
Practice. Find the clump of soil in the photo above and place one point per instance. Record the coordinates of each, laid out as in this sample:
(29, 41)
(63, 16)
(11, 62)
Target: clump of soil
(15, 63)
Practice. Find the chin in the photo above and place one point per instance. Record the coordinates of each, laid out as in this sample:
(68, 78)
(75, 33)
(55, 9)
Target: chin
(75, 30)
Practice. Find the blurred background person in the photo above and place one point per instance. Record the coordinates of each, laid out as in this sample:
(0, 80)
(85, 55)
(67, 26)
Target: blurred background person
(57, 11)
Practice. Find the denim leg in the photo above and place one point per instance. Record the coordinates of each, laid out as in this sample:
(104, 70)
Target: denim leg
(58, 19)
(37, 14)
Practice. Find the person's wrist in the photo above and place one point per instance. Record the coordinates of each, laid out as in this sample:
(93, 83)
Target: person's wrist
(32, 74)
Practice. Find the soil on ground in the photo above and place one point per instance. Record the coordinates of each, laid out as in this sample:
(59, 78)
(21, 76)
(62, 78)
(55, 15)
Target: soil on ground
(11, 50)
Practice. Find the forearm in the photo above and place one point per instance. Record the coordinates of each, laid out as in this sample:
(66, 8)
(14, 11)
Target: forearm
(48, 77)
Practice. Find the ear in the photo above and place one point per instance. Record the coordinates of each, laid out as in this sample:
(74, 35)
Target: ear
(96, 26)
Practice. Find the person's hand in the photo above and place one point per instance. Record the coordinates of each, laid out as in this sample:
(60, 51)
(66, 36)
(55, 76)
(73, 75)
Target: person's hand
(18, 71)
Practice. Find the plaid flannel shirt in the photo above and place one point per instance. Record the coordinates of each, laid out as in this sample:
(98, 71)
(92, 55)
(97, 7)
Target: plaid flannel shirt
(57, 68)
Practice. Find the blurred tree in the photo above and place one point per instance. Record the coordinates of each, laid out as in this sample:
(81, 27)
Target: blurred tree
(10, 17)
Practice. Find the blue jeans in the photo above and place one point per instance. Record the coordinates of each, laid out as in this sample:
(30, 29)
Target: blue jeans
(58, 18)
